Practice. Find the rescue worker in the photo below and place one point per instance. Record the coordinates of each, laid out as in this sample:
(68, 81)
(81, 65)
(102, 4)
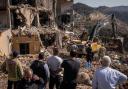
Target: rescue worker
(14, 70)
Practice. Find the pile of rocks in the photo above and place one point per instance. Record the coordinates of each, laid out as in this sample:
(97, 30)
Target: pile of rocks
(85, 76)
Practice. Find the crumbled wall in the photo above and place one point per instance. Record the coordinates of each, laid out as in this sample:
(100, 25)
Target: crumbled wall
(66, 5)
(34, 44)
(23, 14)
(48, 4)
(27, 14)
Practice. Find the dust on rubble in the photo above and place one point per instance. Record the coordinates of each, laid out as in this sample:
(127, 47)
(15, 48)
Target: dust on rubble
(85, 75)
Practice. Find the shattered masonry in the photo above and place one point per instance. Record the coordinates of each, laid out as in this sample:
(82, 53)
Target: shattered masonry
(26, 20)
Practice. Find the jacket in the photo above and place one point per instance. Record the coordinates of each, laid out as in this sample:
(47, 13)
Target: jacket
(13, 68)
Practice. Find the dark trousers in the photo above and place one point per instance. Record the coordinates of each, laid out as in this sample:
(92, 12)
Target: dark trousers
(42, 87)
(68, 85)
(12, 84)
(55, 80)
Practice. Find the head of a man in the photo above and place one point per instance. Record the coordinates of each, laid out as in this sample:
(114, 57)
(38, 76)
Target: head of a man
(28, 74)
(106, 61)
(41, 56)
(55, 51)
(14, 54)
(73, 54)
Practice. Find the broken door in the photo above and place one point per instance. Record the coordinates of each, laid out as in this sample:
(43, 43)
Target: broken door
(24, 48)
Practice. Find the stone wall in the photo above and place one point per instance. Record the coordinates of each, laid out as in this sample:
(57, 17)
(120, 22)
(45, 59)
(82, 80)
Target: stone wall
(34, 44)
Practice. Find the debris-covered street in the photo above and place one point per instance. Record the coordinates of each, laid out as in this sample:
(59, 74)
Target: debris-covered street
(64, 30)
(85, 75)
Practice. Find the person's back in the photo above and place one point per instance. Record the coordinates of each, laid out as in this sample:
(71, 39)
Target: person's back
(54, 63)
(40, 68)
(102, 52)
(71, 69)
(89, 52)
(106, 77)
(14, 69)
(89, 56)
(29, 81)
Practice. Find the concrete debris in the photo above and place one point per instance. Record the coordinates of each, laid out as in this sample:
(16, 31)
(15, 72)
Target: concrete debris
(83, 78)
(83, 87)
(26, 15)
(26, 31)
(35, 28)
(85, 75)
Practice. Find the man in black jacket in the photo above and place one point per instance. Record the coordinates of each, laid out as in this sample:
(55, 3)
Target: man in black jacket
(71, 69)
(89, 56)
(40, 68)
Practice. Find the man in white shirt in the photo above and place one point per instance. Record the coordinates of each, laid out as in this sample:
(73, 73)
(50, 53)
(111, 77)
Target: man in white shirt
(54, 62)
(106, 77)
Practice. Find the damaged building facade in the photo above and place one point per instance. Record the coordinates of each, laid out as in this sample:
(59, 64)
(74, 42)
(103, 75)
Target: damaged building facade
(64, 12)
(5, 31)
(26, 42)
(23, 21)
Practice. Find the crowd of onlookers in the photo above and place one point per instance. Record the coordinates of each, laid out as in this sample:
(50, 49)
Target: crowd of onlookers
(58, 73)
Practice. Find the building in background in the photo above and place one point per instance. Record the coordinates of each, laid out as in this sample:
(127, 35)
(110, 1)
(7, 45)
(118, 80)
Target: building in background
(64, 12)
(21, 22)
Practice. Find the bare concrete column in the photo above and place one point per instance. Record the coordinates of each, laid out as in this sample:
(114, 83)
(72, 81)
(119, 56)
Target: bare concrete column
(9, 13)
(38, 20)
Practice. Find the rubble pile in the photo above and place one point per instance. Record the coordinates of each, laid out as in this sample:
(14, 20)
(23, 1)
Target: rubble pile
(85, 75)
(3, 81)
(84, 78)
(37, 24)
(83, 87)
(124, 69)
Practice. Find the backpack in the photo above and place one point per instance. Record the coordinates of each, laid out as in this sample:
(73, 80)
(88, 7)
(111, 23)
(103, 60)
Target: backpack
(38, 69)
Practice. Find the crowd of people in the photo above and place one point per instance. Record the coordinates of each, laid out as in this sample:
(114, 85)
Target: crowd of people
(58, 73)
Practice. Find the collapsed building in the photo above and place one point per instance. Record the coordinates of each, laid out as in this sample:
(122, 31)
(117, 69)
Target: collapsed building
(5, 31)
(64, 14)
(24, 24)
